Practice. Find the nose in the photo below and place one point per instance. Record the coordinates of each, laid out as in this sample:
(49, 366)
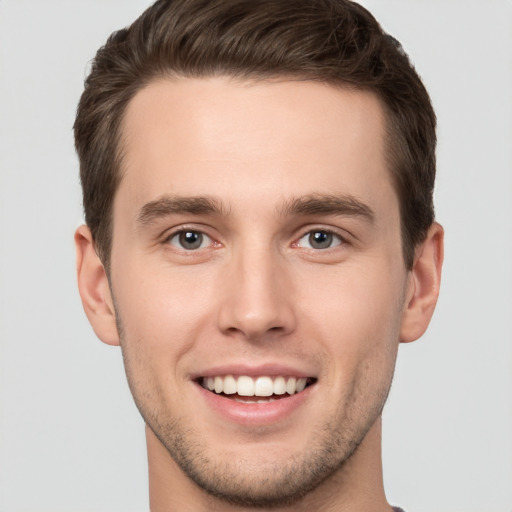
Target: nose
(257, 296)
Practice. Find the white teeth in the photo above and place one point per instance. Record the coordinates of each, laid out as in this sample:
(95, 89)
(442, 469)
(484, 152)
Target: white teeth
(230, 385)
(279, 386)
(261, 386)
(291, 384)
(245, 386)
(301, 384)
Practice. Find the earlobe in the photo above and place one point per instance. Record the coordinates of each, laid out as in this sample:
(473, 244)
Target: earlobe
(94, 288)
(423, 286)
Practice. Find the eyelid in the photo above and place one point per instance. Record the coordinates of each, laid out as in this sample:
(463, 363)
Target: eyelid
(343, 240)
(169, 234)
(204, 241)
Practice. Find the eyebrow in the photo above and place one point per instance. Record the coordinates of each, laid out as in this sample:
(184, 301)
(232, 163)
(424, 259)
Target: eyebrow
(328, 204)
(173, 205)
(313, 204)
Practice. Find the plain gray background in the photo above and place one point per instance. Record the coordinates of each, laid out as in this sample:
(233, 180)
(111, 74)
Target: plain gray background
(70, 437)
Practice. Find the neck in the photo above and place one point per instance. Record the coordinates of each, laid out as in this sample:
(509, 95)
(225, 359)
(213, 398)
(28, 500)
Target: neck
(357, 486)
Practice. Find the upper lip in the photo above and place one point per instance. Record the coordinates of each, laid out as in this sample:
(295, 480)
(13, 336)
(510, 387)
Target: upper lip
(267, 370)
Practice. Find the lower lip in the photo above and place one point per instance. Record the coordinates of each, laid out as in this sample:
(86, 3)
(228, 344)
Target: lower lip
(255, 414)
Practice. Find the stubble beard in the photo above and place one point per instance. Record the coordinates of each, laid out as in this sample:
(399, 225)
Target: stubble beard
(272, 484)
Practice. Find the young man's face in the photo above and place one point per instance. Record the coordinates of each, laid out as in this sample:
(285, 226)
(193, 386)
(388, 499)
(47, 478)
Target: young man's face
(257, 246)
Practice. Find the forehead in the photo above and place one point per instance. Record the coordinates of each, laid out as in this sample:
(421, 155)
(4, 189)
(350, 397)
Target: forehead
(236, 140)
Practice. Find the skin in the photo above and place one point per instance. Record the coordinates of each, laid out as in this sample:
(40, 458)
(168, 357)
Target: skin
(257, 292)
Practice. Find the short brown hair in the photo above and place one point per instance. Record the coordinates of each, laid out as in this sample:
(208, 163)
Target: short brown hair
(333, 41)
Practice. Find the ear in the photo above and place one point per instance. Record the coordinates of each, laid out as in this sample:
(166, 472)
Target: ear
(94, 288)
(423, 285)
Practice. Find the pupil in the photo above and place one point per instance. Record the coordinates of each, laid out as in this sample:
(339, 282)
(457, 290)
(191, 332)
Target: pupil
(191, 239)
(320, 239)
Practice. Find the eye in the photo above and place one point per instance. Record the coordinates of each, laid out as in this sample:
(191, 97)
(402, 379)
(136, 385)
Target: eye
(190, 240)
(320, 239)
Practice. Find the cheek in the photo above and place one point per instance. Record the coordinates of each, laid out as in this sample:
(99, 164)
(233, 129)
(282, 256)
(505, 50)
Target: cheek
(160, 319)
(162, 303)
(165, 313)
(355, 311)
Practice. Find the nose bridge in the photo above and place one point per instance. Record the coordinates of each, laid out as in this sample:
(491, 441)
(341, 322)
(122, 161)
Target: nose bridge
(256, 292)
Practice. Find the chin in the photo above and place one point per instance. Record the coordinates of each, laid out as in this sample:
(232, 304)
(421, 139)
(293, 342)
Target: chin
(262, 477)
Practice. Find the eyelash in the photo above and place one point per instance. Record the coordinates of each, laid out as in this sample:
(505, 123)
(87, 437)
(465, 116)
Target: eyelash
(331, 236)
(184, 231)
(326, 231)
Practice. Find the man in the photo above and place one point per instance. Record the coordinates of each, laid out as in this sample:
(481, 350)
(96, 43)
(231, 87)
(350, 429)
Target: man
(257, 180)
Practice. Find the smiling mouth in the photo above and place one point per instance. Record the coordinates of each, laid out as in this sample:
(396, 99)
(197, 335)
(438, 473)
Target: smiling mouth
(253, 390)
